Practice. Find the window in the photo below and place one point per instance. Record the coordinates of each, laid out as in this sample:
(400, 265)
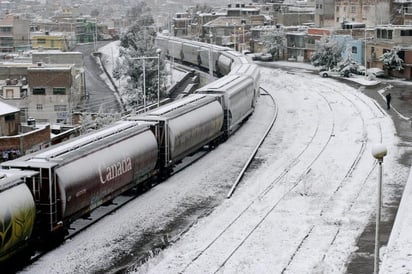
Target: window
(5, 29)
(9, 93)
(337, 19)
(39, 107)
(59, 91)
(39, 91)
(354, 50)
(390, 32)
(337, 8)
(9, 117)
(406, 32)
(60, 108)
(353, 9)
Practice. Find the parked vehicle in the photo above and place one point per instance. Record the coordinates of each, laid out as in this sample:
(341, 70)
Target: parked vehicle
(330, 73)
(376, 72)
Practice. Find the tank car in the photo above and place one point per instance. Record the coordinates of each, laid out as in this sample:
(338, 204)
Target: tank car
(17, 211)
(184, 126)
(105, 163)
(238, 97)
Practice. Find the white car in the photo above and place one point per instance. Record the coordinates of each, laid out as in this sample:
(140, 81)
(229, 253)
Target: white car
(330, 73)
(377, 72)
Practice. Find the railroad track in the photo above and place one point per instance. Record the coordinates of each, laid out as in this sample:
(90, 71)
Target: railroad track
(318, 135)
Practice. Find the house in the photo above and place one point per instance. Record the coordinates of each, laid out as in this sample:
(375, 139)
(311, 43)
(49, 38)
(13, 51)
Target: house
(45, 92)
(17, 138)
(14, 33)
(386, 38)
(49, 41)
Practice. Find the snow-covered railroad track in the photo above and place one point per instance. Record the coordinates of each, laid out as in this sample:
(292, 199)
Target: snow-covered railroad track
(302, 209)
(322, 134)
(345, 182)
(253, 154)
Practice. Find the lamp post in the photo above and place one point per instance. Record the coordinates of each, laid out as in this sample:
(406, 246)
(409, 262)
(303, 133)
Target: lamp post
(211, 55)
(144, 58)
(234, 36)
(378, 151)
(366, 65)
(158, 51)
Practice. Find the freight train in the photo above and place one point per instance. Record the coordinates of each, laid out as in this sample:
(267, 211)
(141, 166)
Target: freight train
(42, 193)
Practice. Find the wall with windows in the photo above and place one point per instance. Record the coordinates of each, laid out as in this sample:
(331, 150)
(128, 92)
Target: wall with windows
(51, 93)
(395, 34)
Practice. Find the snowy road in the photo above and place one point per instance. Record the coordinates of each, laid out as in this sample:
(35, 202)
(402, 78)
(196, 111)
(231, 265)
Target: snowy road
(299, 210)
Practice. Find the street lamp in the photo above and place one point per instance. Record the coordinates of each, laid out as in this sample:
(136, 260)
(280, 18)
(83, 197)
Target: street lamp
(158, 51)
(378, 151)
(143, 58)
(211, 54)
(366, 65)
(234, 36)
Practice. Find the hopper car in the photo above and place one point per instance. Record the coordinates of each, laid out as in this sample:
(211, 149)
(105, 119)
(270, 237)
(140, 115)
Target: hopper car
(64, 182)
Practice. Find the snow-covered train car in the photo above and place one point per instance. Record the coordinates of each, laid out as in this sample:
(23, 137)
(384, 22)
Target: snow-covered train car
(238, 98)
(17, 211)
(184, 126)
(252, 70)
(83, 173)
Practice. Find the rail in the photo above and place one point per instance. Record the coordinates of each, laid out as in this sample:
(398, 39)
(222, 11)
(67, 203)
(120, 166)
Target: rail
(252, 156)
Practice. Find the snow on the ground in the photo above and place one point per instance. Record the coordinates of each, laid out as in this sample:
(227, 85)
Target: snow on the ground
(299, 211)
(310, 228)
(398, 254)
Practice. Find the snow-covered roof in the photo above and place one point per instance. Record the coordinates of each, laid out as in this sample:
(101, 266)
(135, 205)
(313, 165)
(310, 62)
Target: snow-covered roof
(7, 109)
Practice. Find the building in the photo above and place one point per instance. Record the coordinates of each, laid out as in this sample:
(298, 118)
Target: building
(49, 41)
(369, 12)
(9, 120)
(55, 90)
(385, 39)
(17, 139)
(45, 92)
(325, 13)
(14, 33)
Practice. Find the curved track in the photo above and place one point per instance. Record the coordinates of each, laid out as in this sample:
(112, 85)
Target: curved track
(295, 179)
(298, 209)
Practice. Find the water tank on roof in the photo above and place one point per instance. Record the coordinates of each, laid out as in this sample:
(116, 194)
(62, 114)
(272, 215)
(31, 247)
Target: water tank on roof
(14, 81)
(8, 81)
(31, 122)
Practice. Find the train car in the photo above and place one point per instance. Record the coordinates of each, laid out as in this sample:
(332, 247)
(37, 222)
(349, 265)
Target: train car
(83, 173)
(252, 70)
(197, 53)
(17, 211)
(184, 126)
(238, 98)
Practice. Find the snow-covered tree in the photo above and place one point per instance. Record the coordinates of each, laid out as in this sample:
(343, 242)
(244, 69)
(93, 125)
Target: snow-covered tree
(273, 42)
(138, 59)
(391, 60)
(328, 53)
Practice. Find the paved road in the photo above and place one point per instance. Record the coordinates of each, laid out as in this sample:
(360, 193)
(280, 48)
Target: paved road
(101, 97)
